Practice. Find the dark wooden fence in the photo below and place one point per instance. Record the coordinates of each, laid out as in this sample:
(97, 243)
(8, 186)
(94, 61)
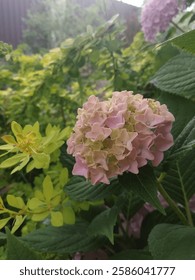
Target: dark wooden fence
(11, 24)
(12, 12)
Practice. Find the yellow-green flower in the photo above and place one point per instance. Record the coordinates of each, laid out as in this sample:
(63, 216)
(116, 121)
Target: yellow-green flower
(30, 147)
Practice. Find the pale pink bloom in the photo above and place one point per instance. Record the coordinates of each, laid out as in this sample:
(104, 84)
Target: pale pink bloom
(115, 121)
(118, 135)
(149, 119)
(97, 175)
(80, 167)
(98, 133)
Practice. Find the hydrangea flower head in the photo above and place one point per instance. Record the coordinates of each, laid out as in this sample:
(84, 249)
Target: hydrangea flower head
(118, 135)
(156, 16)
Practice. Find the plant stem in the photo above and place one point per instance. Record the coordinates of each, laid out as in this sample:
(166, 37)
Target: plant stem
(81, 89)
(171, 202)
(177, 26)
(187, 208)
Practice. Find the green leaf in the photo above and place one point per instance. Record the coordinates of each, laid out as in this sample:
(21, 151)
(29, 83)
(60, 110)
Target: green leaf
(182, 109)
(16, 128)
(3, 222)
(80, 190)
(56, 218)
(18, 250)
(3, 239)
(15, 201)
(185, 41)
(132, 255)
(8, 147)
(69, 215)
(9, 139)
(172, 242)
(131, 205)
(18, 222)
(3, 236)
(180, 174)
(177, 76)
(34, 203)
(179, 153)
(47, 188)
(41, 160)
(186, 136)
(37, 217)
(104, 223)
(66, 239)
(144, 185)
(63, 178)
(180, 179)
(154, 218)
(66, 159)
(184, 142)
(21, 165)
(12, 160)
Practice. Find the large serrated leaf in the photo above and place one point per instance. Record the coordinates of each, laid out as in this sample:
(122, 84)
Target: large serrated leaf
(103, 224)
(182, 109)
(184, 142)
(177, 76)
(66, 239)
(18, 250)
(144, 185)
(172, 242)
(178, 174)
(154, 218)
(185, 41)
(80, 190)
(132, 204)
(186, 136)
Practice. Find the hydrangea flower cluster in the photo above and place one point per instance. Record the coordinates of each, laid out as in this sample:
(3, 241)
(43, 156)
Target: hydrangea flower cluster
(118, 135)
(156, 16)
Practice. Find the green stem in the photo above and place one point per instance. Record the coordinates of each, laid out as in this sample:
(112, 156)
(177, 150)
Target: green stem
(115, 70)
(171, 202)
(187, 208)
(62, 112)
(81, 89)
(177, 26)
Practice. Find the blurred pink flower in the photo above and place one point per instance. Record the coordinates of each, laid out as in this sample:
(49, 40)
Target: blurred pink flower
(118, 135)
(95, 255)
(192, 203)
(133, 226)
(157, 14)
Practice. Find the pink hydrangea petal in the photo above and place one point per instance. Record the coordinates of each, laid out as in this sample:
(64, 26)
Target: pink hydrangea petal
(80, 167)
(98, 133)
(115, 121)
(98, 175)
(158, 157)
(163, 142)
